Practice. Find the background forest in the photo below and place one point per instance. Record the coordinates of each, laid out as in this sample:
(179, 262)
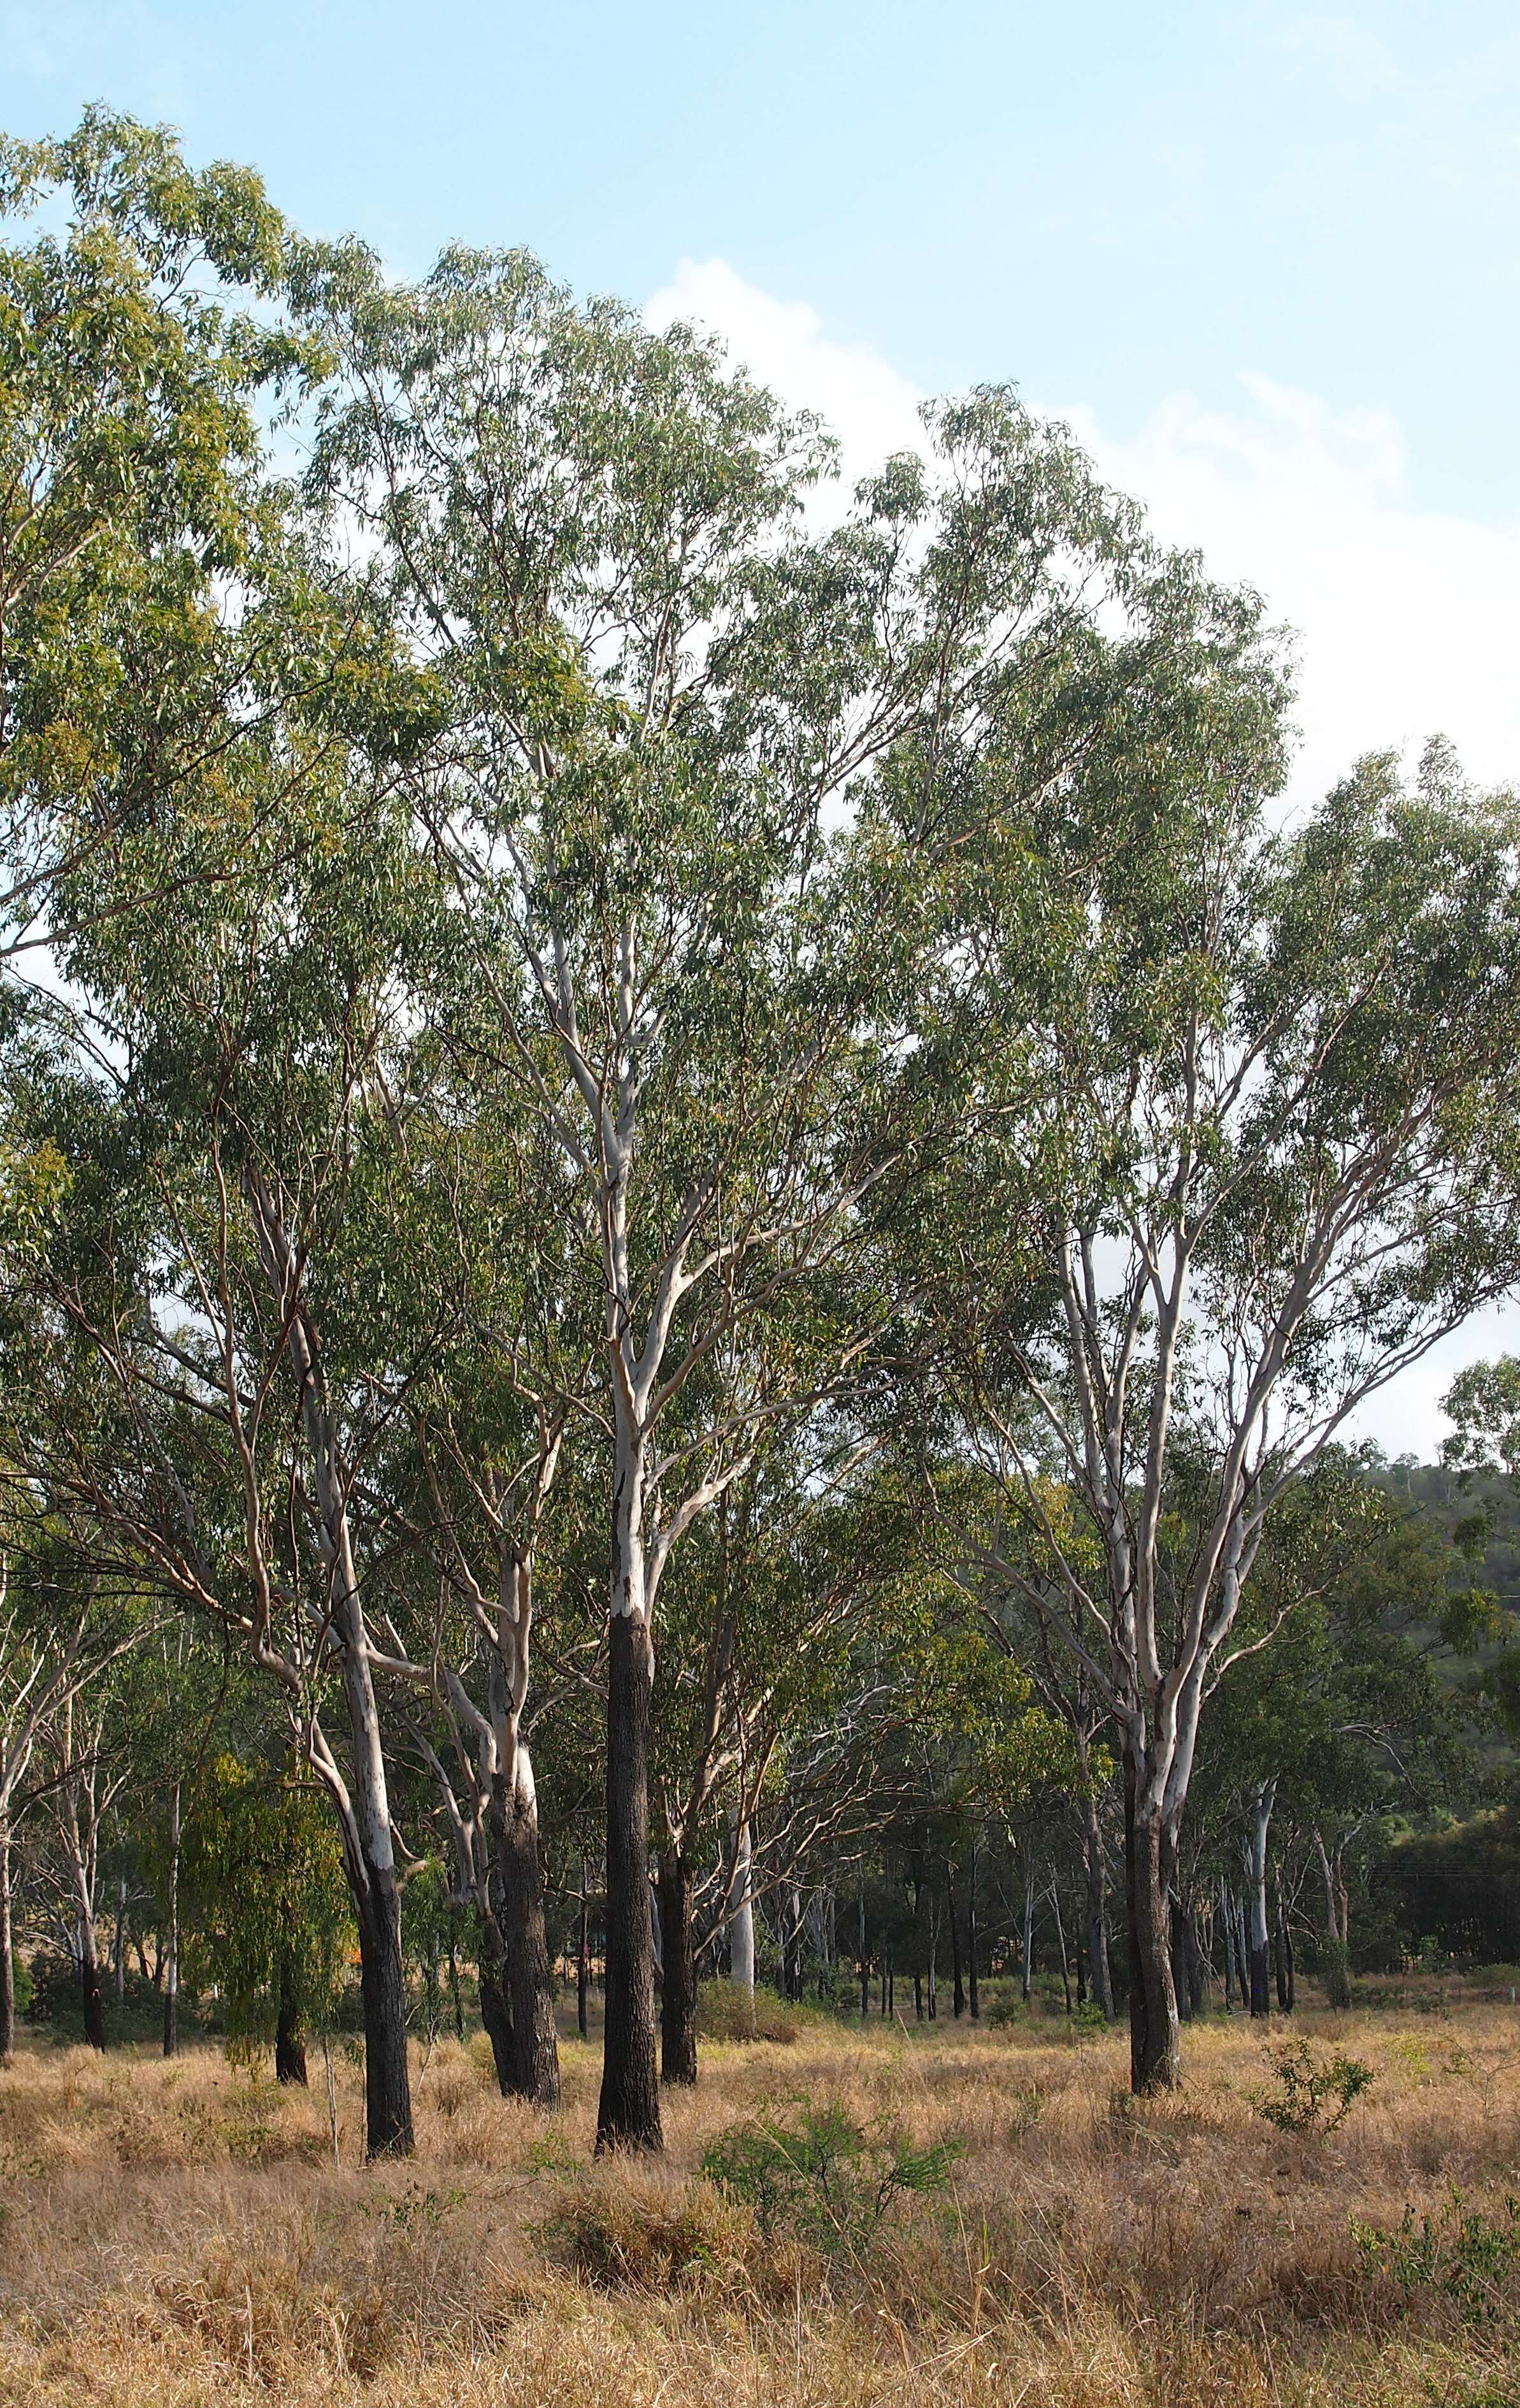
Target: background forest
(698, 1190)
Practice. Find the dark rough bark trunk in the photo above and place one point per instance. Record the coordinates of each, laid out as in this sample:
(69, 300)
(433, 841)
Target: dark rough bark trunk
(865, 1964)
(8, 1951)
(90, 1998)
(957, 1978)
(495, 2014)
(678, 1954)
(170, 1958)
(382, 1986)
(628, 2112)
(535, 2049)
(918, 1997)
(289, 2037)
(1155, 2053)
(1283, 1954)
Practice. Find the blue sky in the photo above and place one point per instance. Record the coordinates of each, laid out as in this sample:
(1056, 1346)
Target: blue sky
(1107, 202)
(1266, 257)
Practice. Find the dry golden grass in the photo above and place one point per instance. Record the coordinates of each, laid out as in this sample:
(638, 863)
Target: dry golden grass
(178, 2235)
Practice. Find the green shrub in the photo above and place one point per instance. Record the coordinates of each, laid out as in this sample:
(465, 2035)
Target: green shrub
(1088, 2021)
(1315, 2095)
(1465, 2254)
(830, 2180)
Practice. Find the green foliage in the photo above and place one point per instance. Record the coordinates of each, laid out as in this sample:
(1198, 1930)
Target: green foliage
(1468, 2253)
(1314, 2094)
(262, 1869)
(830, 2178)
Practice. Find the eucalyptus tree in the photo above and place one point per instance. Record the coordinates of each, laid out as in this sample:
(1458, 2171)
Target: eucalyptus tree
(140, 354)
(207, 1374)
(1285, 1163)
(660, 694)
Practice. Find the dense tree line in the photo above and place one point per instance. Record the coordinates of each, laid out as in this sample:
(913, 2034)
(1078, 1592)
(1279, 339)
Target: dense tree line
(696, 1185)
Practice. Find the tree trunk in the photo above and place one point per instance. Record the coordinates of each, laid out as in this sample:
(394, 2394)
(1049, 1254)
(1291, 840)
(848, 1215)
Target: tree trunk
(1060, 1941)
(90, 1998)
(1154, 2051)
(383, 1989)
(1027, 1955)
(118, 1943)
(582, 1954)
(1226, 1918)
(171, 1953)
(1256, 1868)
(957, 1980)
(865, 1961)
(290, 2039)
(8, 1956)
(678, 1955)
(453, 1977)
(741, 1920)
(628, 2112)
(495, 2013)
(535, 2046)
(1098, 1932)
(1283, 1951)
(974, 1992)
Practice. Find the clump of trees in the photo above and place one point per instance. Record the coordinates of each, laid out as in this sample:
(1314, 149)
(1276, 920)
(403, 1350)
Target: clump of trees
(699, 1192)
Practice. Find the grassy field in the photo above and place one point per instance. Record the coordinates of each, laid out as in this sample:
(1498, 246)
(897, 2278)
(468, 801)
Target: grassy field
(178, 2234)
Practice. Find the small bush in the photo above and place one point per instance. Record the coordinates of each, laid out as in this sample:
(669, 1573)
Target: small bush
(1464, 2253)
(1088, 2021)
(830, 2180)
(1314, 2096)
(725, 2012)
(1007, 2007)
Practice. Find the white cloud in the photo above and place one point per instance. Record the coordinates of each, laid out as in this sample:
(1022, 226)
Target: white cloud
(1409, 619)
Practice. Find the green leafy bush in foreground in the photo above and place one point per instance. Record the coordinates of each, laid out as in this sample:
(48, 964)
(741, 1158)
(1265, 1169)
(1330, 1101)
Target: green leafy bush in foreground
(1463, 2252)
(1315, 2095)
(832, 2180)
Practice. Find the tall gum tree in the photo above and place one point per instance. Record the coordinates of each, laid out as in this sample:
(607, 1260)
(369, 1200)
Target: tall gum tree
(1286, 1165)
(659, 688)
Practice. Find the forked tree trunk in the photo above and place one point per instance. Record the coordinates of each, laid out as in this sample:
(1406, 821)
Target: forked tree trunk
(8, 1957)
(1154, 2048)
(628, 2112)
(677, 1958)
